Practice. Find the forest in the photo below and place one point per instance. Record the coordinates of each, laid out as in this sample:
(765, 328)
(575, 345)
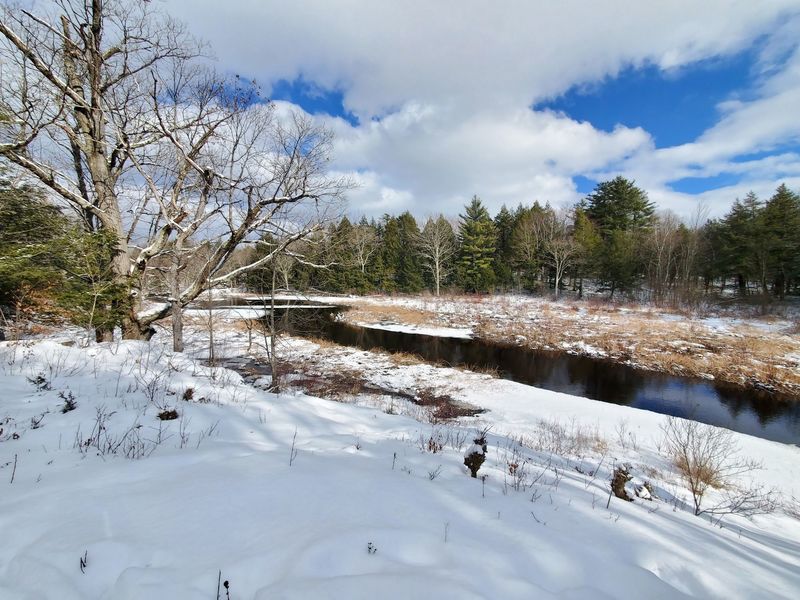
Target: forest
(614, 241)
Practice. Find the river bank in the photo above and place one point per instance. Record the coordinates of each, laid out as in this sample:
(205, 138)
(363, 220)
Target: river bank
(761, 353)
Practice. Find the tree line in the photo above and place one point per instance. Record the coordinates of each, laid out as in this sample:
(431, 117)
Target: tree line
(613, 239)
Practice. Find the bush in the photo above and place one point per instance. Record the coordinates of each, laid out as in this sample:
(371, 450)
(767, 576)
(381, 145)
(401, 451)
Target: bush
(708, 457)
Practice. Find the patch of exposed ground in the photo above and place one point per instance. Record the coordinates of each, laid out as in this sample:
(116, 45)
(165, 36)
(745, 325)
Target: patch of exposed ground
(327, 370)
(762, 353)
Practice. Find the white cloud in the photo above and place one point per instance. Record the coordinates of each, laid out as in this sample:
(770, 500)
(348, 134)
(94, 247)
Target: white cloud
(440, 157)
(385, 54)
(718, 201)
(452, 83)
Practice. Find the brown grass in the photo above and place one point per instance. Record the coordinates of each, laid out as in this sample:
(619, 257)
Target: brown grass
(404, 359)
(748, 356)
(323, 343)
(393, 313)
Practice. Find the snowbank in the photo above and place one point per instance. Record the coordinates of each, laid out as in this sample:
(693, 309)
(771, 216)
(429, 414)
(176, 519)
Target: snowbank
(283, 495)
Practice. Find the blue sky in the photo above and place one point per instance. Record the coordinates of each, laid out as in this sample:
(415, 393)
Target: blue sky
(538, 101)
(674, 106)
(312, 98)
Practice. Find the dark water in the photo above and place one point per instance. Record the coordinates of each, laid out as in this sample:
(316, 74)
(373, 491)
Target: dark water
(744, 410)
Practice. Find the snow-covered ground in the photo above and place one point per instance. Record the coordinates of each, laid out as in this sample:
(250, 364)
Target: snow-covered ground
(290, 496)
(453, 332)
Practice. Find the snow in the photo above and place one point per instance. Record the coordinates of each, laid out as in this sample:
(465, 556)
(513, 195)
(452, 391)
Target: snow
(449, 332)
(283, 493)
(227, 314)
(584, 349)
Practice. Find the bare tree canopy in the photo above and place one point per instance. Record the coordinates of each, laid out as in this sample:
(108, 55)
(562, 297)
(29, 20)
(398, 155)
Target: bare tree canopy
(437, 244)
(107, 104)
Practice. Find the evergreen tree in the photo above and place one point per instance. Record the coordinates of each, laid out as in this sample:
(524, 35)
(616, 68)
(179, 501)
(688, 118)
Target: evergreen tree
(28, 226)
(89, 294)
(402, 262)
(622, 213)
(589, 243)
(527, 242)
(782, 228)
(49, 263)
(743, 253)
(504, 253)
(342, 275)
(618, 205)
(477, 237)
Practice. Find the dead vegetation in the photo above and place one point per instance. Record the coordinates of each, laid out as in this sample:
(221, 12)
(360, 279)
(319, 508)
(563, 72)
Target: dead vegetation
(741, 353)
(317, 375)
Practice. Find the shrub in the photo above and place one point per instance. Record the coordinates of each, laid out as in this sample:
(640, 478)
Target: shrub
(708, 457)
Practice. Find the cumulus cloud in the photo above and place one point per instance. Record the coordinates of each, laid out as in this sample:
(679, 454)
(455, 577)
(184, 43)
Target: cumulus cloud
(443, 91)
(441, 157)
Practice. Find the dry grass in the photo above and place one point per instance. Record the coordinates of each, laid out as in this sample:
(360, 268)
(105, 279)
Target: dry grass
(391, 313)
(482, 369)
(341, 387)
(565, 438)
(323, 343)
(746, 355)
(404, 359)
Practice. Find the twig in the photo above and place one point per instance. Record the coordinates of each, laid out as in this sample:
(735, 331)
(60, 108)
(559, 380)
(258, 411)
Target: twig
(14, 470)
(293, 452)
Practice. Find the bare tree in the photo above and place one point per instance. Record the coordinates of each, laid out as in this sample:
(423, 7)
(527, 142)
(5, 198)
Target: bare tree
(664, 243)
(106, 105)
(559, 247)
(527, 240)
(365, 244)
(437, 246)
(692, 245)
(283, 265)
(708, 457)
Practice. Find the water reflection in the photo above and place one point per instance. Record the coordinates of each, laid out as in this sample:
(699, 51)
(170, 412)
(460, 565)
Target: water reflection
(748, 411)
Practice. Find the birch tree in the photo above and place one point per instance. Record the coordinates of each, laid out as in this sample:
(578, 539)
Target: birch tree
(437, 246)
(365, 244)
(559, 247)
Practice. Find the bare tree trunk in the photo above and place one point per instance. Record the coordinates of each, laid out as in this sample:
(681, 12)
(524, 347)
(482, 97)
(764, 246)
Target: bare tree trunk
(273, 359)
(177, 309)
(211, 354)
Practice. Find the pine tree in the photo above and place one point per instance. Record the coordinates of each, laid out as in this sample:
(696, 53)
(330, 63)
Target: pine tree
(618, 205)
(503, 258)
(527, 241)
(589, 242)
(48, 262)
(622, 213)
(782, 238)
(743, 253)
(402, 262)
(28, 226)
(477, 238)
